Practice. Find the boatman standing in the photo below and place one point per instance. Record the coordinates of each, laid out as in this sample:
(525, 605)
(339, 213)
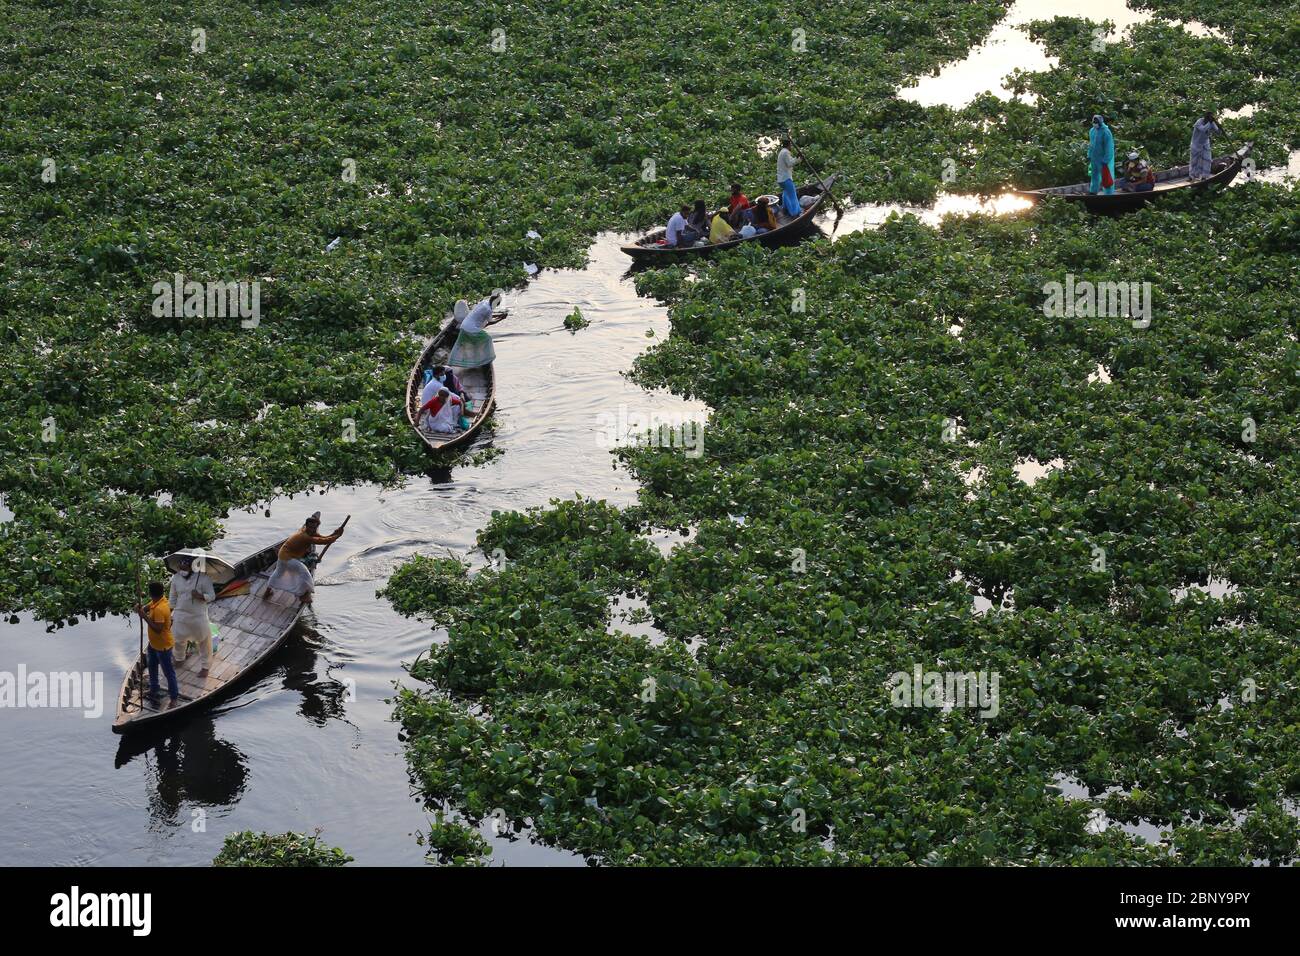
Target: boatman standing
(189, 593)
(290, 575)
(158, 615)
(785, 179)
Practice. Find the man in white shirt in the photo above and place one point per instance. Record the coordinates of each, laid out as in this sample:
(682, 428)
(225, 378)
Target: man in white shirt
(189, 595)
(785, 179)
(676, 226)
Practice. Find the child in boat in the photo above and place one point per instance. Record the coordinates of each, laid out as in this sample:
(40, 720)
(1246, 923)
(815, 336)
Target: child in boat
(1138, 174)
(720, 230)
(158, 615)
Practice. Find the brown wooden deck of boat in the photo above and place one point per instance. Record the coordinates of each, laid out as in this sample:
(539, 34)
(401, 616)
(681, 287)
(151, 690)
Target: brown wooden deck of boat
(250, 629)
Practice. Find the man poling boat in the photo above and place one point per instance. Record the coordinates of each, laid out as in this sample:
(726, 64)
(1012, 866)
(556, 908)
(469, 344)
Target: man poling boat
(291, 579)
(1201, 161)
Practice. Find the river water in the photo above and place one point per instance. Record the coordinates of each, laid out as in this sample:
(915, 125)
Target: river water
(311, 743)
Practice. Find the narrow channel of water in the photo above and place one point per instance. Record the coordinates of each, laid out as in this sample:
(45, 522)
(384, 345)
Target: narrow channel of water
(311, 743)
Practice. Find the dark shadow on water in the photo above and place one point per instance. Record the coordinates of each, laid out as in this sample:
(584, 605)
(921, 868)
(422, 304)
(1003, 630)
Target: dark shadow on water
(188, 763)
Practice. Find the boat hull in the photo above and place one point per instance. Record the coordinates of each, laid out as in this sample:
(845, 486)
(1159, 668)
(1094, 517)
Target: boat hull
(646, 251)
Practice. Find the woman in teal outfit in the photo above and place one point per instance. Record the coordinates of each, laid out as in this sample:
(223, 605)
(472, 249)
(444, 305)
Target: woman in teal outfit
(1101, 153)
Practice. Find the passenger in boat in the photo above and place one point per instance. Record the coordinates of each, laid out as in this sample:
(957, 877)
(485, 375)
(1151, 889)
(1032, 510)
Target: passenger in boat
(157, 614)
(697, 224)
(440, 376)
(189, 593)
(290, 573)
(764, 219)
(1139, 177)
(1202, 162)
(440, 415)
(1101, 157)
(785, 179)
(720, 230)
(737, 206)
(473, 346)
(677, 227)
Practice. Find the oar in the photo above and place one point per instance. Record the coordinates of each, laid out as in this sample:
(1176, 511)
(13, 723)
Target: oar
(839, 208)
(140, 661)
(331, 544)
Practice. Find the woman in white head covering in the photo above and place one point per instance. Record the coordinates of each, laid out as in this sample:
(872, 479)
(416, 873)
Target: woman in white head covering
(473, 346)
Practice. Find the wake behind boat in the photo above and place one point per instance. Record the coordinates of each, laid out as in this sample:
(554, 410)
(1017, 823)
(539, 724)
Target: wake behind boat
(479, 384)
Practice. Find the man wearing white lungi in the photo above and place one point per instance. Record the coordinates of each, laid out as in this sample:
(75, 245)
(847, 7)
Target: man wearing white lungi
(189, 594)
(290, 575)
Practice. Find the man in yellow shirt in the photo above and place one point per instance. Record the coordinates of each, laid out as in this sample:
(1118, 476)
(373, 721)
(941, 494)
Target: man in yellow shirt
(158, 615)
(720, 230)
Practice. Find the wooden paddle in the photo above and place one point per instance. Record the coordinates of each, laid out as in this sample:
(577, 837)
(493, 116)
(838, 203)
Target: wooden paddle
(839, 207)
(331, 544)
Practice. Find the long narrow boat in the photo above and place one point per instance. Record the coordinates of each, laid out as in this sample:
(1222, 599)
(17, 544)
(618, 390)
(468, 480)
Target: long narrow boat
(1222, 171)
(480, 386)
(648, 251)
(250, 630)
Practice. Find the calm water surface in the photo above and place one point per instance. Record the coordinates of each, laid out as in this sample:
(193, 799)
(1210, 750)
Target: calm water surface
(311, 743)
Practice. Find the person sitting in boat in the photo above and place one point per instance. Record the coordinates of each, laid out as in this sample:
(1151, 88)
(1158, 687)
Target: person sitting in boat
(677, 227)
(189, 594)
(157, 614)
(290, 574)
(1139, 177)
(785, 179)
(697, 224)
(1101, 157)
(473, 346)
(441, 414)
(736, 207)
(720, 230)
(440, 376)
(763, 219)
(1202, 160)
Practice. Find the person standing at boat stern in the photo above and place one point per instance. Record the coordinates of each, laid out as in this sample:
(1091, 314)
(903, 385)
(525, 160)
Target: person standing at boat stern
(473, 346)
(158, 615)
(290, 574)
(785, 179)
(1101, 157)
(1202, 162)
(189, 594)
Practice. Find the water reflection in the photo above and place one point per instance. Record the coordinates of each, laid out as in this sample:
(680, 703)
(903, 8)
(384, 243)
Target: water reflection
(1008, 47)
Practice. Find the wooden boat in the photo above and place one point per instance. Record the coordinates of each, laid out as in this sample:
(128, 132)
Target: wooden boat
(647, 251)
(249, 628)
(480, 386)
(1222, 171)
